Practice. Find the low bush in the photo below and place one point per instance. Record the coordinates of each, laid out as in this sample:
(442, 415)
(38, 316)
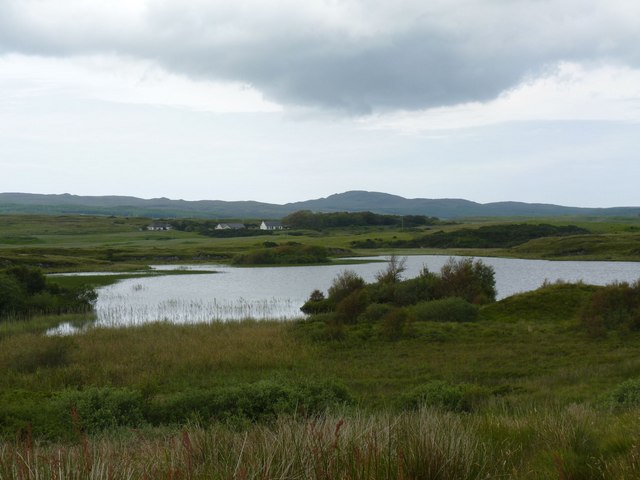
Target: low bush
(394, 325)
(375, 311)
(613, 307)
(626, 394)
(352, 306)
(452, 309)
(444, 395)
(94, 410)
(290, 253)
(258, 402)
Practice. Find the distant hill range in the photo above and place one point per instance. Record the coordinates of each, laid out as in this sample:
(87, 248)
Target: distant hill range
(352, 201)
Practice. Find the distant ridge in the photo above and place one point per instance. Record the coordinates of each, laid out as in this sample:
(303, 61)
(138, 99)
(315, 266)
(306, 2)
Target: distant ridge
(351, 201)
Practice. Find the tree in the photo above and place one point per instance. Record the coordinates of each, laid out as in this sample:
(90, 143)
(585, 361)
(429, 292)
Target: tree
(465, 278)
(395, 268)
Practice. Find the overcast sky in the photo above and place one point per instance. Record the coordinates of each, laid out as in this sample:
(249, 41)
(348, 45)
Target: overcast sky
(279, 101)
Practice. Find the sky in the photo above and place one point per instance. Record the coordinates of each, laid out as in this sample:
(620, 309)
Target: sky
(286, 100)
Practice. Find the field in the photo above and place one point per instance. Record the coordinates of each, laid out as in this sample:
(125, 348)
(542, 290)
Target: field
(86, 243)
(525, 391)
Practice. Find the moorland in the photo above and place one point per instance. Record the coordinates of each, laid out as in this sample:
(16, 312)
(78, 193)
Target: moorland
(399, 378)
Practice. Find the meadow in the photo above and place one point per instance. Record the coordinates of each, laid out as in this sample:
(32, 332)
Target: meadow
(527, 390)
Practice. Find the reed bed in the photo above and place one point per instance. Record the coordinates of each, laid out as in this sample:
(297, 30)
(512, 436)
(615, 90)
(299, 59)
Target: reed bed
(123, 312)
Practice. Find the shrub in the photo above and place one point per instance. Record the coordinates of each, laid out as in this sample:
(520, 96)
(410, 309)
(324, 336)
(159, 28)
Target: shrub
(444, 395)
(613, 307)
(375, 311)
(627, 393)
(317, 304)
(472, 280)
(344, 284)
(350, 307)
(96, 409)
(24, 292)
(258, 402)
(409, 292)
(12, 297)
(452, 309)
(394, 324)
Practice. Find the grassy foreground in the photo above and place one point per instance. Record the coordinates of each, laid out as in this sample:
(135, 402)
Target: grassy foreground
(524, 392)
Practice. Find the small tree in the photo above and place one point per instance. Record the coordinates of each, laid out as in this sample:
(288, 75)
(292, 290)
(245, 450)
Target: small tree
(395, 268)
(465, 278)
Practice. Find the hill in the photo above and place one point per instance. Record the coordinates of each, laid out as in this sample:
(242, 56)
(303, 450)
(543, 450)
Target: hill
(351, 201)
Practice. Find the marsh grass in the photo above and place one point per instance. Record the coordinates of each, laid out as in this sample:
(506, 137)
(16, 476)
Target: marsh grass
(573, 442)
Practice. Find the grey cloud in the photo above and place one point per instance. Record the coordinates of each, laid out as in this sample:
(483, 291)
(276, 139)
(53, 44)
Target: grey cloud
(437, 58)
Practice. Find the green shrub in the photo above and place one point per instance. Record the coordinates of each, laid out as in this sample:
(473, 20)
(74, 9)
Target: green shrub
(24, 292)
(317, 304)
(444, 395)
(626, 394)
(257, 402)
(12, 296)
(96, 409)
(472, 280)
(291, 253)
(613, 307)
(344, 284)
(394, 324)
(351, 306)
(375, 311)
(446, 310)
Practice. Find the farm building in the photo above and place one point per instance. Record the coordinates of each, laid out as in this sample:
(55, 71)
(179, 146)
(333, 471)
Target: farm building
(230, 226)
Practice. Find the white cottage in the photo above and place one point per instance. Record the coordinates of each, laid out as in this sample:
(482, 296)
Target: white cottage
(271, 226)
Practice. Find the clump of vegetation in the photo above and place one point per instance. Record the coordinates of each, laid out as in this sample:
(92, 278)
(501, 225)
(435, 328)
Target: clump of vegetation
(319, 221)
(452, 309)
(291, 253)
(490, 236)
(24, 292)
(626, 394)
(443, 395)
(451, 295)
(613, 307)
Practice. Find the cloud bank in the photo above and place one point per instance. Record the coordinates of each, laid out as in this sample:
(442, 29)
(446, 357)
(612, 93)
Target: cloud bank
(352, 55)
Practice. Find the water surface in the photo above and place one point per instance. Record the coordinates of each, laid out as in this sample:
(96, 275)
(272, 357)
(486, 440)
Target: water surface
(278, 292)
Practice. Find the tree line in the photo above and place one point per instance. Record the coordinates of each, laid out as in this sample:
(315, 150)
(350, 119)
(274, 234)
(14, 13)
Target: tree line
(318, 221)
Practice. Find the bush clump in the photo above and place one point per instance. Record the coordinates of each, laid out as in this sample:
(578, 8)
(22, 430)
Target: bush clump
(24, 292)
(612, 307)
(258, 402)
(450, 296)
(443, 395)
(452, 309)
(94, 410)
(288, 254)
(626, 394)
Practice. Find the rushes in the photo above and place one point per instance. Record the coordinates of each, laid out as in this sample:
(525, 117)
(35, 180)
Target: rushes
(120, 313)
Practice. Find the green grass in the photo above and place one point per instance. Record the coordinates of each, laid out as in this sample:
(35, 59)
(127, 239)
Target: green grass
(534, 398)
(95, 243)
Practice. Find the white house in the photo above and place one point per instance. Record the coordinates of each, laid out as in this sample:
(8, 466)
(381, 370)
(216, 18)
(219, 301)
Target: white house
(230, 226)
(271, 226)
(159, 226)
